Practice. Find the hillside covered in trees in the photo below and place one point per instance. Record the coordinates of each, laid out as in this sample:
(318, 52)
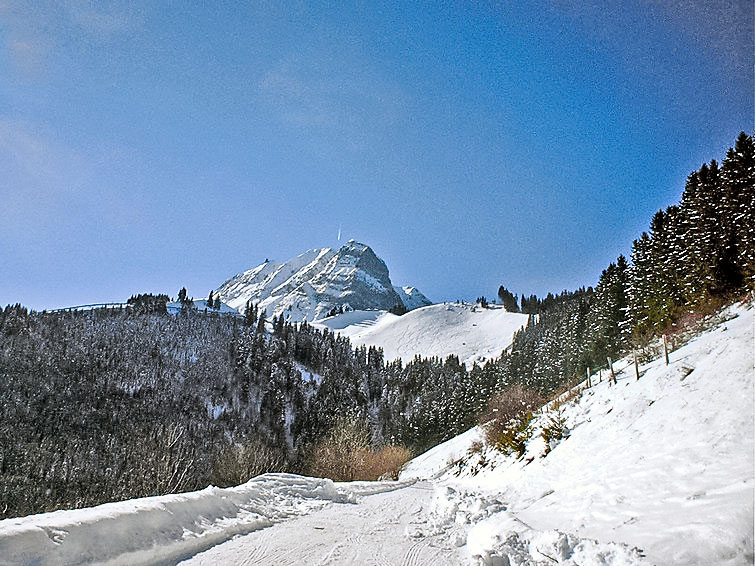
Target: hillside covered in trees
(112, 404)
(697, 255)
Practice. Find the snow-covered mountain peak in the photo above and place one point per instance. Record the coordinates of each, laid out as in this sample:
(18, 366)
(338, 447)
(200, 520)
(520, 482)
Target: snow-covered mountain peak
(319, 281)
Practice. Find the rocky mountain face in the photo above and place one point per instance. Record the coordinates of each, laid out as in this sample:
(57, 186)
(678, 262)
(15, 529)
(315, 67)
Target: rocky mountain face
(313, 284)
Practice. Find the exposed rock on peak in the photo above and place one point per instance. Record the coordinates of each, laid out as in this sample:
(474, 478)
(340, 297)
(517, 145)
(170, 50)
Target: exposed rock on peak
(313, 284)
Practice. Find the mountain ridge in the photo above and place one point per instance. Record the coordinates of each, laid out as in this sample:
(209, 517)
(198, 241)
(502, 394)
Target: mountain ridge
(315, 283)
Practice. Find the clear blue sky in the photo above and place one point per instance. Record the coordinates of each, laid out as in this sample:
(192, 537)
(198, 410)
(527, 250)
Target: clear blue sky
(147, 147)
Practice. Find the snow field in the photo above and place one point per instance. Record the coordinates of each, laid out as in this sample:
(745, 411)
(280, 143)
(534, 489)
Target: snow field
(468, 331)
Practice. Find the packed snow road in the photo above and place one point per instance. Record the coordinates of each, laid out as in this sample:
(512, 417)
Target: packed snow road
(383, 529)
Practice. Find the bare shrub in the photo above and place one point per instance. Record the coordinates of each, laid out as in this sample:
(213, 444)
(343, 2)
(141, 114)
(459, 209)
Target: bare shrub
(508, 418)
(340, 454)
(385, 463)
(345, 454)
(239, 463)
(475, 448)
(570, 393)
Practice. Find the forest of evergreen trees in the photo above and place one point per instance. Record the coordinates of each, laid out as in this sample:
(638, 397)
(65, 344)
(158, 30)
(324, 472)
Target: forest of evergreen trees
(697, 255)
(111, 404)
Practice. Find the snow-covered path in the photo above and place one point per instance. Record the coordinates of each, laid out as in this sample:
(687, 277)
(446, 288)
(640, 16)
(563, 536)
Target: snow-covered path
(382, 529)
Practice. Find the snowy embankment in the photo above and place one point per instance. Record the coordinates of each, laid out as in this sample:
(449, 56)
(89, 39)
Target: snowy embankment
(470, 332)
(663, 464)
(161, 529)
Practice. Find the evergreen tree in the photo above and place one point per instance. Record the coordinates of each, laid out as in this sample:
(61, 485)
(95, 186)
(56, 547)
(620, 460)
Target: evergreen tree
(509, 301)
(608, 327)
(250, 314)
(260, 330)
(530, 305)
(738, 180)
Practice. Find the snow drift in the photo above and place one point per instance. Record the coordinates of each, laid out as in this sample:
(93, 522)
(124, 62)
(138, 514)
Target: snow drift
(154, 530)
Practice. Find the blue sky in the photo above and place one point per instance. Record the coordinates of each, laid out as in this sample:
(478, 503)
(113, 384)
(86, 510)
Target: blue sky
(145, 147)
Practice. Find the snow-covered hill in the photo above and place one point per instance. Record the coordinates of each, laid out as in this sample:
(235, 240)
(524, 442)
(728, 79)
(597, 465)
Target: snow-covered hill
(664, 464)
(658, 470)
(309, 286)
(472, 333)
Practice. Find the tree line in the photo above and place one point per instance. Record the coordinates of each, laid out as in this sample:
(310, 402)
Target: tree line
(697, 255)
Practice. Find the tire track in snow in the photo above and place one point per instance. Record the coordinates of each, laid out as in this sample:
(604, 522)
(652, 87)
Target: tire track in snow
(384, 529)
(413, 554)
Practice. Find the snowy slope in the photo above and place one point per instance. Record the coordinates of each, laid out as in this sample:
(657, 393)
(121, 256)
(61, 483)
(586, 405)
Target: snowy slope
(309, 286)
(664, 464)
(472, 333)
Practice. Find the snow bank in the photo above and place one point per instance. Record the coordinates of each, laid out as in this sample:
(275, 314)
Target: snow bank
(166, 528)
(491, 536)
(664, 463)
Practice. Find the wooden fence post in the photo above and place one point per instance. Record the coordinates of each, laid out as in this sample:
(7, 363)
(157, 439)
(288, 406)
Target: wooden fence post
(613, 375)
(665, 347)
(588, 378)
(636, 367)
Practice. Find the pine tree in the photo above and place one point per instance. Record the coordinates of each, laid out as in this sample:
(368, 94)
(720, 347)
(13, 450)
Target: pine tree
(607, 321)
(260, 329)
(250, 314)
(738, 180)
(509, 301)
(640, 287)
